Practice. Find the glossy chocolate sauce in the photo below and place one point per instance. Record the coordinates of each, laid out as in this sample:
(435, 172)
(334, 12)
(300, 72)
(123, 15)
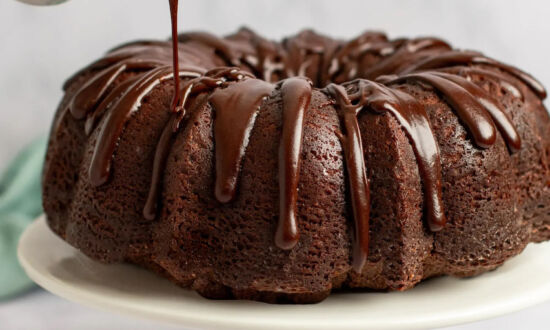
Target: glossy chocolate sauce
(175, 52)
(413, 118)
(296, 95)
(236, 74)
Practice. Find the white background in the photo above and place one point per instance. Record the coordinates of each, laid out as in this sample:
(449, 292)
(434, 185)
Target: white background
(40, 47)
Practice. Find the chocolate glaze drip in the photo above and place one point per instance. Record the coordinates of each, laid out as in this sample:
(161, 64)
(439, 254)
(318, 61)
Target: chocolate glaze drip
(413, 118)
(115, 120)
(411, 50)
(356, 171)
(306, 49)
(473, 106)
(346, 61)
(296, 95)
(452, 58)
(93, 95)
(136, 59)
(500, 118)
(216, 78)
(118, 82)
(141, 55)
(90, 94)
(470, 72)
(97, 113)
(235, 108)
(159, 161)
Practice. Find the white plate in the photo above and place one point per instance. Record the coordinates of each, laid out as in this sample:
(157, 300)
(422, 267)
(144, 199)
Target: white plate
(53, 264)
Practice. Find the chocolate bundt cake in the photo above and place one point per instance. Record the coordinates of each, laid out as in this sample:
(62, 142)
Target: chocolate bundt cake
(285, 170)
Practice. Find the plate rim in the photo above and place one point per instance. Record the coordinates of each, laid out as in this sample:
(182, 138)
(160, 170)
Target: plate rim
(88, 298)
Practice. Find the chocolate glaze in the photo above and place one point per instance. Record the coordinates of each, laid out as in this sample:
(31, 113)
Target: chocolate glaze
(235, 109)
(413, 118)
(211, 80)
(409, 50)
(304, 50)
(356, 169)
(346, 61)
(97, 113)
(452, 58)
(500, 118)
(90, 94)
(469, 73)
(268, 61)
(175, 52)
(473, 105)
(118, 83)
(116, 118)
(296, 95)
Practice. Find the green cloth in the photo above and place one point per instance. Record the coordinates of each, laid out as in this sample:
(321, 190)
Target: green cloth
(20, 204)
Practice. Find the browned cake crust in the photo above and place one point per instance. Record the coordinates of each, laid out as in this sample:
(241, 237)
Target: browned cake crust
(496, 200)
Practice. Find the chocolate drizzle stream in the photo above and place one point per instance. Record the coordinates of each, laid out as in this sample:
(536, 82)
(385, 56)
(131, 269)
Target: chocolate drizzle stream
(221, 73)
(175, 52)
